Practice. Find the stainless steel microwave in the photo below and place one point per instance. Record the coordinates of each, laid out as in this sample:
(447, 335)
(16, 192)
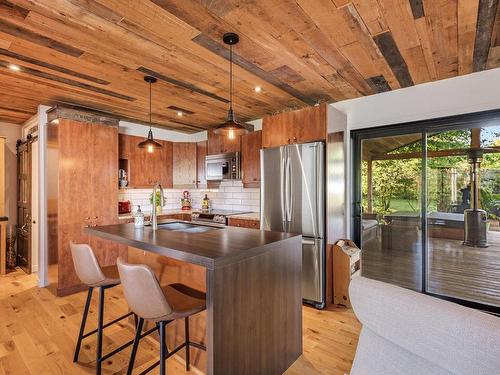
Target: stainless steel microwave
(223, 167)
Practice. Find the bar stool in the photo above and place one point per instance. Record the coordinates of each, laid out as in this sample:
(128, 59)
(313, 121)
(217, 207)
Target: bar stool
(162, 305)
(90, 273)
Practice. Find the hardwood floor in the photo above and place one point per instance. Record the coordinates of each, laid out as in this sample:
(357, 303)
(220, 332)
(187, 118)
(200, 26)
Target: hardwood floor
(38, 333)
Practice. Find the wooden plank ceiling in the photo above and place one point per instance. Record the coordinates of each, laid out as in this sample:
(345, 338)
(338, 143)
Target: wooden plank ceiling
(94, 53)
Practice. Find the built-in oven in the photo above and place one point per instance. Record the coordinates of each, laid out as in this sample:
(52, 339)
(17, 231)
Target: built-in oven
(223, 167)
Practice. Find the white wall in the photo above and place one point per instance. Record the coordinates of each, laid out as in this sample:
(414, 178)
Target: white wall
(465, 94)
(12, 132)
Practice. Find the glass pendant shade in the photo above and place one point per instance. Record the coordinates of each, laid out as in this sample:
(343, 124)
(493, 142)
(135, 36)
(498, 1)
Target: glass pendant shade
(150, 144)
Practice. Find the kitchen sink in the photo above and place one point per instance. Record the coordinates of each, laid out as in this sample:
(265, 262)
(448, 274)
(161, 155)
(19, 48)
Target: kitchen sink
(179, 226)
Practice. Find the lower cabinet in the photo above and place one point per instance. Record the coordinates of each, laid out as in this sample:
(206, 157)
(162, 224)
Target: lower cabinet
(244, 223)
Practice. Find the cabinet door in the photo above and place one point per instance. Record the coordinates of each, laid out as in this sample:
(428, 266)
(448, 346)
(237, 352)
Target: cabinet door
(201, 153)
(301, 126)
(124, 146)
(104, 197)
(144, 167)
(221, 144)
(250, 158)
(184, 164)
(215, 143)
(231, 145)
(166, 165)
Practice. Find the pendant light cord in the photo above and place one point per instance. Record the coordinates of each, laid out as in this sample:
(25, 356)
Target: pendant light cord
(149, 105)
(230, 76)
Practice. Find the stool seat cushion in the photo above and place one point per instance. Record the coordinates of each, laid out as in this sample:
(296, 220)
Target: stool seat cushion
(183, 300)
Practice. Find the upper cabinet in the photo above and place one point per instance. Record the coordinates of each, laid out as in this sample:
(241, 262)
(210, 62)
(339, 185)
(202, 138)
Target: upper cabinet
(301, 126)
(251, 144)
(145, 168)
(221, 144)
(201, 153)
(184, 165)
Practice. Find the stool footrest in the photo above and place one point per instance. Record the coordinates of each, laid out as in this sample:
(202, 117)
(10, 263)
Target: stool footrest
(127, 344)
(107, 324)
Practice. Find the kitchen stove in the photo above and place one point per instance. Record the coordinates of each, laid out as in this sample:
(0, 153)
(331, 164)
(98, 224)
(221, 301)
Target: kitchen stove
(214, 216)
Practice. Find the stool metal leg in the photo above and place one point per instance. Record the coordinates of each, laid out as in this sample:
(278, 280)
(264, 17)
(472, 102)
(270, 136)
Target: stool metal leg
(99, 331)
(82, 326)
(162, 349)
(186, 334)
(135, 345)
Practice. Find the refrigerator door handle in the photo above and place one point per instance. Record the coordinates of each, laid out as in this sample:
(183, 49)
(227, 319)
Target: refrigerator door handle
(282, 188)
(289, 192)
(308, 241)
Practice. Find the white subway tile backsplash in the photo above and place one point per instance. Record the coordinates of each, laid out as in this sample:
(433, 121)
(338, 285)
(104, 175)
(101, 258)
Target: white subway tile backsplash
(231, 195)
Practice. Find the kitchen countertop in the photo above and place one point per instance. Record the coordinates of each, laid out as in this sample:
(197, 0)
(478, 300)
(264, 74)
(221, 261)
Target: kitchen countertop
(212, 249)
(248, 216)
(163, 212)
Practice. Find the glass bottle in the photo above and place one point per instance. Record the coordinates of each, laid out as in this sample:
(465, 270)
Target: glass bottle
(139, 218)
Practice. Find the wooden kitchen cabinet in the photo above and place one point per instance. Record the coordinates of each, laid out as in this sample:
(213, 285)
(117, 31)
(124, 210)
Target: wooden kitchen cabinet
(184, 165)
(301, 126)
(201, 153)
(251, 144)
(145, 168)
(84, 168)
(221, 144)
(244, 223)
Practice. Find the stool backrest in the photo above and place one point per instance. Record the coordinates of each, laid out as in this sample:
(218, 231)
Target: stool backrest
(86, 265)
(142, 290)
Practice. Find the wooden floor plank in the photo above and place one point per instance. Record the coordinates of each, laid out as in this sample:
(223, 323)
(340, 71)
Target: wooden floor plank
(38, 333)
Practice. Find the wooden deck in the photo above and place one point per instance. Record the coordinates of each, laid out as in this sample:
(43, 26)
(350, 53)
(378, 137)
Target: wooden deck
(455, 270)
(38, 333)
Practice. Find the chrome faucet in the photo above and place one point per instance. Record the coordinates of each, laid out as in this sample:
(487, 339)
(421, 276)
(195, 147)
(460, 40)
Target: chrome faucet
(154, 214)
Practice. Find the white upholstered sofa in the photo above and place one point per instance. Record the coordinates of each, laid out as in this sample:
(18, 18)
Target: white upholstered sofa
(408, 333)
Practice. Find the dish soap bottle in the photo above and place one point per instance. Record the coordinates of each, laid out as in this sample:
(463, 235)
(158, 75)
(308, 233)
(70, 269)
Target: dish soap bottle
(205, 203)
(139, 218)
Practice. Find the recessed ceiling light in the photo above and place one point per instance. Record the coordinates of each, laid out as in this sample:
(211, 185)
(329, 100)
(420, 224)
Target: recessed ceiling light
(14, 67)
(258, 89)
(55, 121)
(180, 114)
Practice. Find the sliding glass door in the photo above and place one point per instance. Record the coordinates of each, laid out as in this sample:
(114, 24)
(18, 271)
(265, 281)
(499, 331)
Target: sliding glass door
(427, 207)
(391, 209)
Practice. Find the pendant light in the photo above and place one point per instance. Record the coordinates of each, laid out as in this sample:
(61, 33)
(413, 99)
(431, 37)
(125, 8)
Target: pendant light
(231, 127)
(150, 144)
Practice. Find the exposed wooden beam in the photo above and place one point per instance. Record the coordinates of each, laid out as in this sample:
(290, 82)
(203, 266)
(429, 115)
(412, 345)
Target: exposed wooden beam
(485, 21)
(23, 33)
(417, 8)
(379, 84)
(60, 69)
(218, 49)
(389, 49)
(66, 81)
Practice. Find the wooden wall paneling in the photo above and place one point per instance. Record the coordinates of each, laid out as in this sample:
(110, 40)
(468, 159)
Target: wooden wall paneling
(166, 164)
(251, 144)
(201, 153)
(74, 195)
(2, 176)
(184, 164)
(103, 149)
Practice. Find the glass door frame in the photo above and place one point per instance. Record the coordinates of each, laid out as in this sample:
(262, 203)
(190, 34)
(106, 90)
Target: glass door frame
(457, 122)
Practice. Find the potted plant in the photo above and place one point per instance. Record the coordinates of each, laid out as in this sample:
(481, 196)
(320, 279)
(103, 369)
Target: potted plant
(157, 201)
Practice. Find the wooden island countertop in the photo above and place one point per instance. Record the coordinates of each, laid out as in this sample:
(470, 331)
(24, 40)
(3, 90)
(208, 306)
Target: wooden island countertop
(212, 249)
(253, 284)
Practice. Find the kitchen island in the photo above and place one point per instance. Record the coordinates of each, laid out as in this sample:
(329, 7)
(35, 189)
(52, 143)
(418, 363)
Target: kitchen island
(253, 322)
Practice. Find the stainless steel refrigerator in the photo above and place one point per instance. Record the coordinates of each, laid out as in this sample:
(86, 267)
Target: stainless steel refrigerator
(293, 200)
